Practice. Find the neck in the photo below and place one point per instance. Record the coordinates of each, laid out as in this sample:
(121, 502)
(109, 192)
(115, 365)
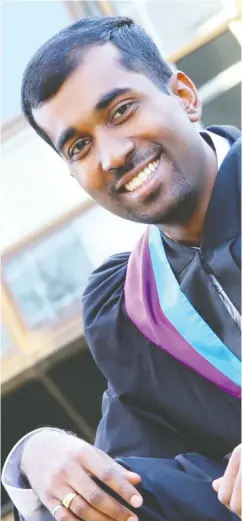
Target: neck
(191, 231)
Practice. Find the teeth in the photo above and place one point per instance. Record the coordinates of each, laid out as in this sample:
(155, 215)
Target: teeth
(142, 176)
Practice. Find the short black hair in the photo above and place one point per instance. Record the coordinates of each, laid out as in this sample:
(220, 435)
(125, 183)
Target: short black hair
(59, 57)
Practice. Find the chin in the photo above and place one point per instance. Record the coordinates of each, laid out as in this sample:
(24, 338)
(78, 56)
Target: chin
(165, 213)
(146, 217)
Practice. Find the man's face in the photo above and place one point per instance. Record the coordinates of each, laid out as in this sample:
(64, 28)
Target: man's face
(132, 147)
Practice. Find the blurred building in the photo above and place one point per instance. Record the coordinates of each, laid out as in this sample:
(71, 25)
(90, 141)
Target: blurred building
(52, 234)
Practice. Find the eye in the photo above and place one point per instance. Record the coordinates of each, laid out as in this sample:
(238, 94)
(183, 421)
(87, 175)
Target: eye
(79, 148)
(123, 111)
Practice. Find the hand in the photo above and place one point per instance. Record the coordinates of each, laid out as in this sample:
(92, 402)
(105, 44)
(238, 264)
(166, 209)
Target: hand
(57, 463)
(230, 484)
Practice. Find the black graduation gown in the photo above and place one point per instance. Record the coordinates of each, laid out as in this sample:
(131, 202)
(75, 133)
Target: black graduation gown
(155, 408)
(160, 418)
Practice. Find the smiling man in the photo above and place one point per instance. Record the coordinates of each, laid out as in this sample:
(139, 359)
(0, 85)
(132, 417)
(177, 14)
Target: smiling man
(162, 322)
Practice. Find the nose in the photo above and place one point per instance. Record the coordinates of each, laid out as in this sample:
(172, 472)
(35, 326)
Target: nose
(114, 151)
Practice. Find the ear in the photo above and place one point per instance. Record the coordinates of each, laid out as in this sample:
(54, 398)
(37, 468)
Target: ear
(186, 92)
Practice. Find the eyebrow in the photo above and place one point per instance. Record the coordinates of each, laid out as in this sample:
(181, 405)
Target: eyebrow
(103, 103)
(110, 96)
(67, 134)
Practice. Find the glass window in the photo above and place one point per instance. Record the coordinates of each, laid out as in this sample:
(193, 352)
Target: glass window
(172, 24)
(6, 342)
(225, 109)
(210, 59)
(48, 278)
(25, 27)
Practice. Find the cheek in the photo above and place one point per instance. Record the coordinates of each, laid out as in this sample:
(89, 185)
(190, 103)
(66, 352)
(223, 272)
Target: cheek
(155, 124)
(89, 178)
(173, 130)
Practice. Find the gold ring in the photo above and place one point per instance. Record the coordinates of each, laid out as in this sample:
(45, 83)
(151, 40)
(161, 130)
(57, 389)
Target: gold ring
(68, 499)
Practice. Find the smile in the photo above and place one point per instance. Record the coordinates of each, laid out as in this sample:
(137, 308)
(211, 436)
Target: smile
(142, 176)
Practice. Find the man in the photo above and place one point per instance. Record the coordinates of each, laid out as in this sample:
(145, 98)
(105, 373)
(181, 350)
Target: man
(163, 323)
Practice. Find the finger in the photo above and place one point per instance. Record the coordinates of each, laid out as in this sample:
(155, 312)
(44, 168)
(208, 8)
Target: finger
(228, 480)
(235, 502)
(98, 498)
(79, 507)
(62, 514)
(113, 475)
(83, 510)
(217, 483)
(133, 477)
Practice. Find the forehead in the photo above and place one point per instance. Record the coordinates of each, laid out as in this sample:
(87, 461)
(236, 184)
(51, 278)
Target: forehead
(99, 72)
